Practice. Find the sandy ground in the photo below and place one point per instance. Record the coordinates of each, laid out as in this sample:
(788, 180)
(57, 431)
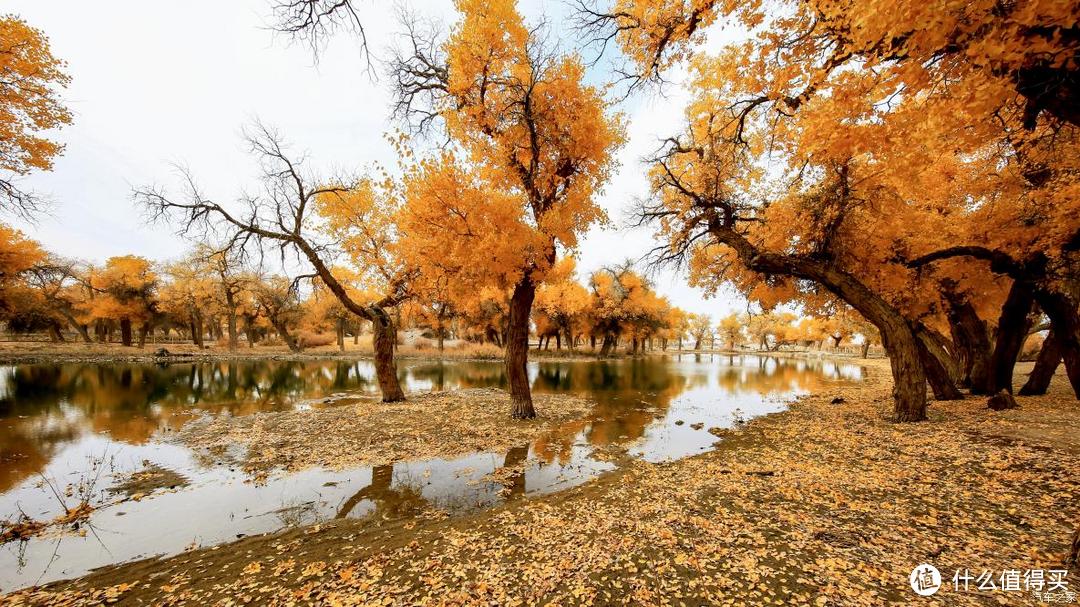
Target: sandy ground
(828, 503)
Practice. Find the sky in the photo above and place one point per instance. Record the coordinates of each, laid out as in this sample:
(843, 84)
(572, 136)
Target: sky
(160, 84)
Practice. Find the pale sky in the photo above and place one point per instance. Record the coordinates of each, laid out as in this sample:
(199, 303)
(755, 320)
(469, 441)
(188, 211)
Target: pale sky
(158, 83)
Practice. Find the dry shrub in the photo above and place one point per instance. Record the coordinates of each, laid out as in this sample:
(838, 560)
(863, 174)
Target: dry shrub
(309, 339)
(474, 350)
(423, 344)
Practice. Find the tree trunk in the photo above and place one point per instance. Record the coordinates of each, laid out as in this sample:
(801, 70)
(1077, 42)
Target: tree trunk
(971, 339)
(517, 349)
(143, 332)
(1012, 330)
(283, 331)
(234, 337)
(697, 343)
(340, 333)
(1065, 321)
(197, 329)
(865, 348)
(935, 363)
(383, 336)
(1045, 366)
(249, 331)
(80, 328)
(608, 345)
(558, 341)
(125, 331)
(54, 333)
(909, 378)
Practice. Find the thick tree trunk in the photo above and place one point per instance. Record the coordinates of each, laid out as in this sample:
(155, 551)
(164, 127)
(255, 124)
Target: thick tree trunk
(283, 331)
(897, 335)
(249, 331)
(1012, 330)
(971, 339)
(383, 338)
(197, 329)
(143, 332)
(80, 328)
(936, 365)
(234, 336)
(340, 334)
(608, 345)
(1045, 366)
(697, 343)
(125, 331)
(517, 349)
(54, 333)
(1065, 321)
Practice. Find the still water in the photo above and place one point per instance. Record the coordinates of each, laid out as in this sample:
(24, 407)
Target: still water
(79, 427)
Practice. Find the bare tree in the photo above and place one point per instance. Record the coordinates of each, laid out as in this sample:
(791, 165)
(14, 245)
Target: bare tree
(280, 216)
(313, 21)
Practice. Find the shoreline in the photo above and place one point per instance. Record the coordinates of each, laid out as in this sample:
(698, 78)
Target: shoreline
(182, 353)
(821, 503)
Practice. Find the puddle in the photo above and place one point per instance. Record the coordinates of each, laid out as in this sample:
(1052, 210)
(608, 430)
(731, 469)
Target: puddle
(89, 426)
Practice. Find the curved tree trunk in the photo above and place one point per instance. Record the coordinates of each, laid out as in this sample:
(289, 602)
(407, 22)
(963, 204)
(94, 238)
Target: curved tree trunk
(897, 335)
(607, 346)
(383, 338)
(1045, 366)
(517, 349)
(80, 328)
(1062, 311)
(936, 363)
(971, 338)
(283, 331)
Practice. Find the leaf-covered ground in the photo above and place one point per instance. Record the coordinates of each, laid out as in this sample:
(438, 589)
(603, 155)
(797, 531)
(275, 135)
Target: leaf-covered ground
(369, 432)
(826, 504)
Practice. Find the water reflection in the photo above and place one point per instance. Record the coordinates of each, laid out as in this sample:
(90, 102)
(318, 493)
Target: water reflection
(54, 419)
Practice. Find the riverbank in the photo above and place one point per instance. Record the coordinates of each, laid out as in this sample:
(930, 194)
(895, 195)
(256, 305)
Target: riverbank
(27, 352)
(46, 352)
(827, 503)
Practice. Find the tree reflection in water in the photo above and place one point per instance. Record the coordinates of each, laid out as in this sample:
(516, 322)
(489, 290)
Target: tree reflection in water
(44, 408)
